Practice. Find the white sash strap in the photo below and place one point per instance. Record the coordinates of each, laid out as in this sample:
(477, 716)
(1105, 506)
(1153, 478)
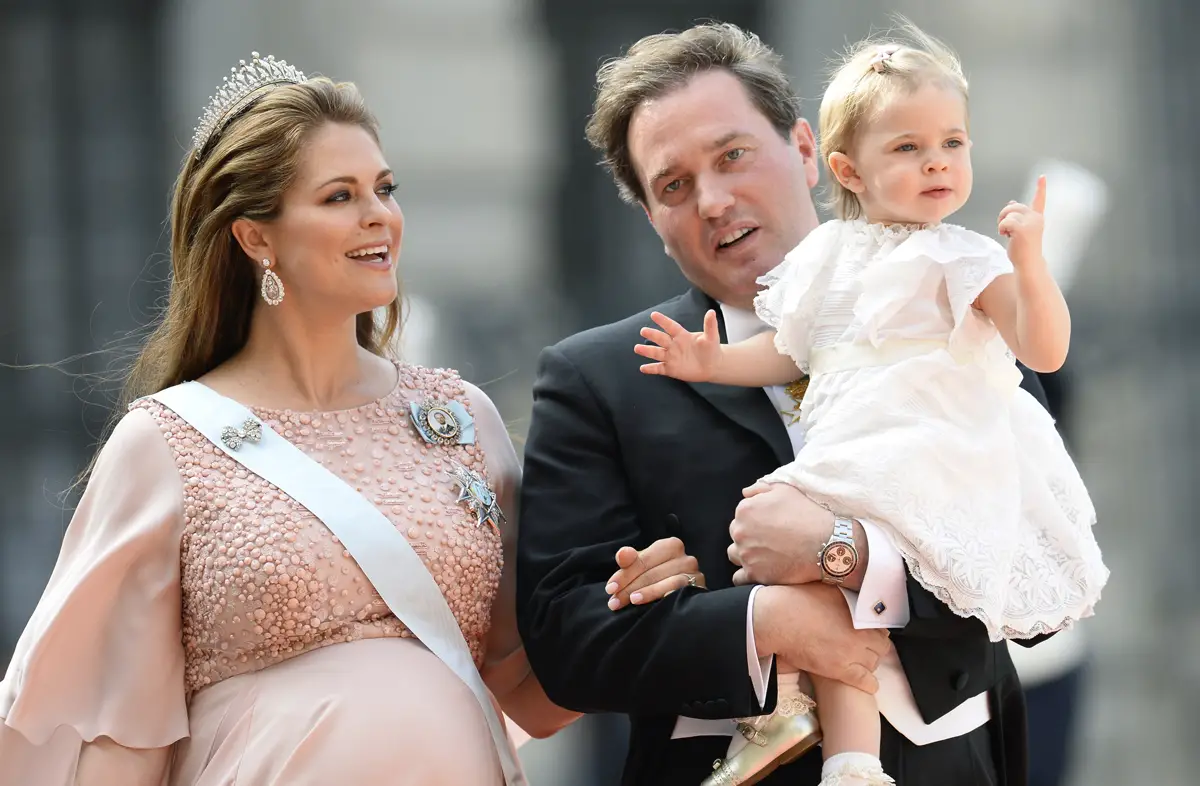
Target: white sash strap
(383, 553)
(844, 357)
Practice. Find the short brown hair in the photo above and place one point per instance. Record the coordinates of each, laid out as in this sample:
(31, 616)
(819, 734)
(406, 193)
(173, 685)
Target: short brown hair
(658, 64)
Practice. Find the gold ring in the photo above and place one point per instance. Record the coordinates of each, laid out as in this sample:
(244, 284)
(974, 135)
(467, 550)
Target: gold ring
(691, 578)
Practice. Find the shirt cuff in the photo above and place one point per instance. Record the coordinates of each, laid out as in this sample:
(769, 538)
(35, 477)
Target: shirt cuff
(759, 668)
(882, 601)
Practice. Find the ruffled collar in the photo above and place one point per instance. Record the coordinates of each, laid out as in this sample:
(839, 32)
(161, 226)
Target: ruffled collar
(881, 233)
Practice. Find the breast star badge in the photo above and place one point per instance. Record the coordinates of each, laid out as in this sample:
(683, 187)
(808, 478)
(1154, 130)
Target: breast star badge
(478, 496)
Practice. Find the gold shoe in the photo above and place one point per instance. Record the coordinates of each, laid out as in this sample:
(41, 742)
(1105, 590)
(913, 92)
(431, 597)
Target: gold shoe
(775, 740)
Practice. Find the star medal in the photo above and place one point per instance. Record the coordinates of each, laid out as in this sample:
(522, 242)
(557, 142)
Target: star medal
(796, 391)
(478, 496)
(442, 422)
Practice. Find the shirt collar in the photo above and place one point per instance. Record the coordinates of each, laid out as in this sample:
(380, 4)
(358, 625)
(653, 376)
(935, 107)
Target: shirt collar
(741, 323)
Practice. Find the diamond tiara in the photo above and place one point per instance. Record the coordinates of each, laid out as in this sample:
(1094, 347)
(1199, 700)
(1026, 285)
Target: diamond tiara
(236, 91)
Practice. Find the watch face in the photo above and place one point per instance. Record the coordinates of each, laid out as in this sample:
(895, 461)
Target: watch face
(839, 560)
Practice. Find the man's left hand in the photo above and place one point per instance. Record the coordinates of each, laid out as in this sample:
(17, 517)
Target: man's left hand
(777, 532)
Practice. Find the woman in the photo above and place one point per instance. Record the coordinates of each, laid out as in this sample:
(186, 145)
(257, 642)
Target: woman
(202, 625)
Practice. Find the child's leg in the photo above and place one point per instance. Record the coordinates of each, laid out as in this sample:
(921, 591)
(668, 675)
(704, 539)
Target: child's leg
(850, 730)
(849, 718)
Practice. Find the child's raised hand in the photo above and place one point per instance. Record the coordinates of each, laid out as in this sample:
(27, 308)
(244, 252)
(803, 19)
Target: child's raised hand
(1022, 225)
(680, 353)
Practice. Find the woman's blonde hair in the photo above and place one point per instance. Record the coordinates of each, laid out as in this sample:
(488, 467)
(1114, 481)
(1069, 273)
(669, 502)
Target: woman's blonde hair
(864, 78)
(243, 172)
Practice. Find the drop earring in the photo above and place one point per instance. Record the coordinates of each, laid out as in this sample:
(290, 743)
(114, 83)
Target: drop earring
(272, 286)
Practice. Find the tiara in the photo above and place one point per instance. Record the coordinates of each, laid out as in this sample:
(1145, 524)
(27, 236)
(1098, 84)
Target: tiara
(236, 91)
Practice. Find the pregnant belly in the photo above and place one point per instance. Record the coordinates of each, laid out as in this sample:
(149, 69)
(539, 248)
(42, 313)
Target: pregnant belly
(378, 711)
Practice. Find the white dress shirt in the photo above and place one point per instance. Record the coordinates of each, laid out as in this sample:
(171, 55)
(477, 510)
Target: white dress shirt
(884, 587)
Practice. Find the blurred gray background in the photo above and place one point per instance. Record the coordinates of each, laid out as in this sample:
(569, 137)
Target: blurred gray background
(515, 238)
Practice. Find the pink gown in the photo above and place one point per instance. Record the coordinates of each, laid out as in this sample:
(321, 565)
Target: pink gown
(201, 628)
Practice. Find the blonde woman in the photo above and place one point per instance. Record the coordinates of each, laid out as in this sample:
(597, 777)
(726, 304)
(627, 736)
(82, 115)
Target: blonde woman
(291, 563)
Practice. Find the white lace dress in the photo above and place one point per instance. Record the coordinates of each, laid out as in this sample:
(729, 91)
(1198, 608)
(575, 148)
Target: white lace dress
(915, 419)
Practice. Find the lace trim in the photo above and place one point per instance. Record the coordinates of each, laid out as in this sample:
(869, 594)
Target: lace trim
(857, 775)
(772, 314)
(881, 233)
(767, 304)
(787, 707)
(799, 704)
(1019, 587)
(942, 589)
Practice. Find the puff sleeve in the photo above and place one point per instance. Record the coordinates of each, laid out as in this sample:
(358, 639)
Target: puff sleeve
(94, 694)
(506, 670)
(792, 292)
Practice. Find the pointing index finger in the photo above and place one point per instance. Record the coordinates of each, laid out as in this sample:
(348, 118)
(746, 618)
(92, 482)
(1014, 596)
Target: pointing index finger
(1039, 196)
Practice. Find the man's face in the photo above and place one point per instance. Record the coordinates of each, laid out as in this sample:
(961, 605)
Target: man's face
(726, 193)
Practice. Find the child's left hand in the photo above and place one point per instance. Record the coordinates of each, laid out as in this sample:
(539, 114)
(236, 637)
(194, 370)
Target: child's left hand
(1022, 225)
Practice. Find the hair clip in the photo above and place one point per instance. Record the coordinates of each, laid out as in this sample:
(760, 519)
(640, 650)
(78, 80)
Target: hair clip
(882, 55)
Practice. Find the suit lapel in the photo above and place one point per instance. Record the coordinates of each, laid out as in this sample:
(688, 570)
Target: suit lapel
(750, 408)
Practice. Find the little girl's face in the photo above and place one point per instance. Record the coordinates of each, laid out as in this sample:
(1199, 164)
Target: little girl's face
(913, 158)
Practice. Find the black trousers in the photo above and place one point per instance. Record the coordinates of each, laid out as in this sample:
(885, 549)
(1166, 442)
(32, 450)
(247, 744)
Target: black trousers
(1053, 710)
(958, 761)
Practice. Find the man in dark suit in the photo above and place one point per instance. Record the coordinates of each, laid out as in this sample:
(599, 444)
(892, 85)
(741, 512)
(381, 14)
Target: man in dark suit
(703, 131)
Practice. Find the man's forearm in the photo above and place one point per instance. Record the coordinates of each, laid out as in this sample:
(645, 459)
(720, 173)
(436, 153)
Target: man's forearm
(766, 614)
(574, 633)
(809, 629)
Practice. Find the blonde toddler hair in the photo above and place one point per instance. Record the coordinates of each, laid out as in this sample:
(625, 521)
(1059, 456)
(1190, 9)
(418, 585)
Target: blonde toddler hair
(867, 76)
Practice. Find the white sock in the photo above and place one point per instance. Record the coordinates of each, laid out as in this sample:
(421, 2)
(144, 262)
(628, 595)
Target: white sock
(860, 767)
(789, 685)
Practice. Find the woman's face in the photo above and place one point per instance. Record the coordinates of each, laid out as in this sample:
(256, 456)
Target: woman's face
(337, 237)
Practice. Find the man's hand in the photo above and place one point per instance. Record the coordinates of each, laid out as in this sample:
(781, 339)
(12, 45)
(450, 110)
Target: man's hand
(809, 627)
(777, 532)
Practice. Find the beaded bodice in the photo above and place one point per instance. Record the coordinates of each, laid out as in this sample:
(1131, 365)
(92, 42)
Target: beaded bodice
(264, 581)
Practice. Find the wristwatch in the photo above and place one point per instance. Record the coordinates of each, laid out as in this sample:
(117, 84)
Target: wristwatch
(838, 557)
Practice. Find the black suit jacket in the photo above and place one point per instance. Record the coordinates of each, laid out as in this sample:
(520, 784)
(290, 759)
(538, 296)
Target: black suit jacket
(615, 457)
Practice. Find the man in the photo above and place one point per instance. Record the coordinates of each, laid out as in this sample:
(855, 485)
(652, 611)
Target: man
(703, 131)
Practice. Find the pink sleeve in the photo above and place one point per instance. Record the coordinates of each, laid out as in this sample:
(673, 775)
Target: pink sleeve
(505, 665)
(506, 670)
(102, 655)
